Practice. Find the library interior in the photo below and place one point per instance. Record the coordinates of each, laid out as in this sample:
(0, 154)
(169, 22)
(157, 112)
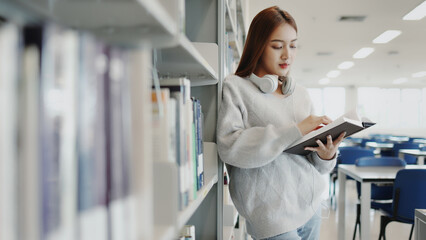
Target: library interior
(111, 114)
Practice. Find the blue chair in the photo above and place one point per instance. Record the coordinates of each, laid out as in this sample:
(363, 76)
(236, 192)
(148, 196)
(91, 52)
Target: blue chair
(408, 158)
(382, 192)
(412, 139)
(409, 193)
(347, 155)
(364, 142)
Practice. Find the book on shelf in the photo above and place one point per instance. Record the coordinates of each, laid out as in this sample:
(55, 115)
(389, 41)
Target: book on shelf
(119, 136)
(198, 141)
(164, 126)
(349, 122)
(58, 159)
(9, 40)
(92, 219)
(181, 153)
(28, 94)
(180, 89)
(138, 70)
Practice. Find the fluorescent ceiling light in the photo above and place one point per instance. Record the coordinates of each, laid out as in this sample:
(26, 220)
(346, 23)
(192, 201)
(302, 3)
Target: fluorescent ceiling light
(363, 52)
(400, 80)
(346, 65)
(324, 81)
(387, 36)
(333, 74)
(417, 13)
(419, 74)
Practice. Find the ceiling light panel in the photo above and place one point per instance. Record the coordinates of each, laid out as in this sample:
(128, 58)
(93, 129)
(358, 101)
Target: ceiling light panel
(400, 80)
(417, 13)
(419, 74)
(363, 52)
(345, 65)
(333, 74)
(324, 81)
(387, 36)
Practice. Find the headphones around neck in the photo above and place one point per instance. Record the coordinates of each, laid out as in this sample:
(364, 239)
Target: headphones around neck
(269, 83)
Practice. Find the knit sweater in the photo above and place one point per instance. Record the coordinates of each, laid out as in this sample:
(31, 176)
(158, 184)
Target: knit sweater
(274, 191)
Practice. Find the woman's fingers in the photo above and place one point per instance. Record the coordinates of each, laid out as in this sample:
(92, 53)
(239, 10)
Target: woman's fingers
(312, 122)
(325, 120)
(329, 149)
(340, 139)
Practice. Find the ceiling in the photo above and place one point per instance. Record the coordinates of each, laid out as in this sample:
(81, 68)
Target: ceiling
(325, 42)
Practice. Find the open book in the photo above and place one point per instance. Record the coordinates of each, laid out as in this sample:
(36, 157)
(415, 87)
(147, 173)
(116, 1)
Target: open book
(350, 123)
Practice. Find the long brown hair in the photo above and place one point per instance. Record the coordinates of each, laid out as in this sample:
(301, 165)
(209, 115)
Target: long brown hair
(262, 26)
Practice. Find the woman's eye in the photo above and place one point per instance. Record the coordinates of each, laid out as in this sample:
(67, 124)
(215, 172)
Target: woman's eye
(277, 47)
(293, 46)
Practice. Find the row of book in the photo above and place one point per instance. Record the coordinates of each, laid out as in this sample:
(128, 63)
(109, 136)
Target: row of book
(178, 135)
(66, 135)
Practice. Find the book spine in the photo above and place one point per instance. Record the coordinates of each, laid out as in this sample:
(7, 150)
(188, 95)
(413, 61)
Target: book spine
(9, 39)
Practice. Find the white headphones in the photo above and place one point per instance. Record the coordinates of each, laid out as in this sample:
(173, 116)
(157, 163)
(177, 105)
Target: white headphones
(269, 83)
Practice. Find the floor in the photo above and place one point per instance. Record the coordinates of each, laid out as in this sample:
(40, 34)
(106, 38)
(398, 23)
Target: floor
(394, 230)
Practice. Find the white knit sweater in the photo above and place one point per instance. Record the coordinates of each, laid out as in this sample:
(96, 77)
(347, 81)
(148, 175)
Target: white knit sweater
(274, 191)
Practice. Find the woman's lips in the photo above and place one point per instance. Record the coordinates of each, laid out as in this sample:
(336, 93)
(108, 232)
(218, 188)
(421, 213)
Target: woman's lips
(284, 65)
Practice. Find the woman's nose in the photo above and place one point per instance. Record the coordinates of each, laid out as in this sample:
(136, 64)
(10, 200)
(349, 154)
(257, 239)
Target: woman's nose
(284, 53)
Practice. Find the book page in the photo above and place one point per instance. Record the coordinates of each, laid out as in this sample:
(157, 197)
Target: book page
(351, 116)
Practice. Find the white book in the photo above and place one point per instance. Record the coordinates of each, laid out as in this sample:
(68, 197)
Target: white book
(29, 191)
(181, 154)
(58, 127)
(92, 218)
(139, 73)
(183, 85)
(9, 40)
(160, 125)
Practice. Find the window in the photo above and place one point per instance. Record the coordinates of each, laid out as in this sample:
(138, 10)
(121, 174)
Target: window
(393, 107)
(328, 101)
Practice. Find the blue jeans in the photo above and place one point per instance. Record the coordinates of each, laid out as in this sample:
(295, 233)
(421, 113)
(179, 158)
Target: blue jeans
(308, 231)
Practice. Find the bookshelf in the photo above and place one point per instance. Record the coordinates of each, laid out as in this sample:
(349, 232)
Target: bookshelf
(122, 41)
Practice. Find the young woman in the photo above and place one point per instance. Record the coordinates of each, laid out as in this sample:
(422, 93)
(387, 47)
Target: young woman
(263, 111)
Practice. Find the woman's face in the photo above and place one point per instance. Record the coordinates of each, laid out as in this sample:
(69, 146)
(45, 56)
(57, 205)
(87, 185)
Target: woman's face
(279, 52)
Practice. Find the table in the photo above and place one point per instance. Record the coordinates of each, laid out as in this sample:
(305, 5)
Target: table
(366, 176)
(420, 141)
(414, 152)
(420, 224)
(379, 146)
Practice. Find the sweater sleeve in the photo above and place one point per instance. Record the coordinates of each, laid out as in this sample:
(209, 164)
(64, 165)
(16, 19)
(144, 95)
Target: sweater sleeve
(248, 147)
(323, 166)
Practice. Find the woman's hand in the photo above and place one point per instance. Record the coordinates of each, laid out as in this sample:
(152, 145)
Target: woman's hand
(312, 122)
(328, 151)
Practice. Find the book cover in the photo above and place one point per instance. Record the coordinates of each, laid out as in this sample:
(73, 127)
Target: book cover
(350, 123)
(118, 163)
(186, 163)
(92, 206)
(9, 40)
(138, 71)
(181, 150)
(28, 163)
(58, 163)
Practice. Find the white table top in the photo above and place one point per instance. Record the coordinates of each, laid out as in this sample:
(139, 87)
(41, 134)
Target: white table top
(414, 152)
(379, 145)
(374, 174)
(421, 213)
